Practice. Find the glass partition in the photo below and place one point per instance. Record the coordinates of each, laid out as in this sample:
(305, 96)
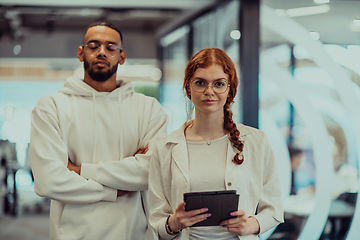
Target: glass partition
(174, 60)
(310, 91)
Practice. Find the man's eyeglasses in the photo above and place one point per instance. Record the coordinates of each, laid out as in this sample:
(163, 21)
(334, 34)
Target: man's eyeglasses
(218, 86)
(94, 47)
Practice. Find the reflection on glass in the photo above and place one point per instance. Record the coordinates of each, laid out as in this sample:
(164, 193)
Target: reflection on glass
(318, 78)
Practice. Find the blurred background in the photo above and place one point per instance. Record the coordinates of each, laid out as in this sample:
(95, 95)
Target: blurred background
(299, 67)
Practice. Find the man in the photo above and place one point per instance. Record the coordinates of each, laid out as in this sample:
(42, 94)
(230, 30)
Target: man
(88, 145)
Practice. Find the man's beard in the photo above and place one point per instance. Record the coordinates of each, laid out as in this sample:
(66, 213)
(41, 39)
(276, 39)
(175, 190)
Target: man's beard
(99, 76)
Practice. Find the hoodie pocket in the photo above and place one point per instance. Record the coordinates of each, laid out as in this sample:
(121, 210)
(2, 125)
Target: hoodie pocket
(72, 224)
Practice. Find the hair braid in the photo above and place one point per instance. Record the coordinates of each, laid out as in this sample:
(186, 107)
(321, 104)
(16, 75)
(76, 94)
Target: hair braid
(234, 136)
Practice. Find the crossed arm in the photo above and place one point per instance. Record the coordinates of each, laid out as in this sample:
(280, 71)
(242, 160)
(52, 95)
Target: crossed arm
(49, 157)
(77, 169)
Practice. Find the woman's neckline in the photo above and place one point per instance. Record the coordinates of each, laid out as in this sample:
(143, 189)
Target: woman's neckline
(208, 142)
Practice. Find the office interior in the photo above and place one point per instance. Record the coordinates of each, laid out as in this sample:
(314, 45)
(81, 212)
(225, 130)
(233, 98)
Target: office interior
(299, 68)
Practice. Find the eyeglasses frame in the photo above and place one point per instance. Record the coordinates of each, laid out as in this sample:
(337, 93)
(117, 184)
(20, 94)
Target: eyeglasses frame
(212, 87)
(105, 47)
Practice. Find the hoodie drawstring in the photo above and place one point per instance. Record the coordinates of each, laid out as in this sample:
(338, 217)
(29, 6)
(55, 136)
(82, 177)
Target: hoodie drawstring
(120, 132)
(95, 132)
(69, 129)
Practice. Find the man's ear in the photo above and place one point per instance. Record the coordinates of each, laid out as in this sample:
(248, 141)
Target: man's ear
(80, 53)
(122, 57)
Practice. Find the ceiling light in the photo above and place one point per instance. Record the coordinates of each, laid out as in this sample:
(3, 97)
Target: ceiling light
(17, 49)
(304, 11)
(84, 12)
(355, 25)
(356, 22)
(156, 74)
(235, 34)
(321, 1)
(280, 12)
(314, 35)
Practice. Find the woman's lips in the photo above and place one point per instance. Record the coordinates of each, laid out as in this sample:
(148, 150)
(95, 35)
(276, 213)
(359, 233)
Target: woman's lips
(209, 101)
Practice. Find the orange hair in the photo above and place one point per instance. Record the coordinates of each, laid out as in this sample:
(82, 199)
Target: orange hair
(204, 58)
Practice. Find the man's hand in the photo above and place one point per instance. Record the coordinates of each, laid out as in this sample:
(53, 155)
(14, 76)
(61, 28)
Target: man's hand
(121, 192)
(142, 150)
(73, 167)
(77, 169)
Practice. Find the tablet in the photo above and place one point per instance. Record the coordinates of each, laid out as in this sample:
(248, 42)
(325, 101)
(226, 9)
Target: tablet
(219, 203)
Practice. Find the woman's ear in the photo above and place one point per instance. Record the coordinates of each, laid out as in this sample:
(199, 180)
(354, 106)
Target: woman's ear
(80, 53)
(188, 92)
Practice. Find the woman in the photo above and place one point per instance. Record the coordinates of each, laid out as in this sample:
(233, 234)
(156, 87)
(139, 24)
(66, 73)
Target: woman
(212, 153)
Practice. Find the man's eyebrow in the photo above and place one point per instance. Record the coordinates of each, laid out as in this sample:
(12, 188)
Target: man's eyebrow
(94, 41)
(97, 41)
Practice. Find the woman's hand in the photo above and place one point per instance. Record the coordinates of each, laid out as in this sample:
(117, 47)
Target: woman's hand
(182, 219)
(241, 225)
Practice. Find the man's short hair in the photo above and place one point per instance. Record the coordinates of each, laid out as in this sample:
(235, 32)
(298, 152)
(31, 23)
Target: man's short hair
(106, 24)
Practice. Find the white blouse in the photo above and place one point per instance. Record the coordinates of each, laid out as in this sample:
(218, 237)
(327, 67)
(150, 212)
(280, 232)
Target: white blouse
(207, 163)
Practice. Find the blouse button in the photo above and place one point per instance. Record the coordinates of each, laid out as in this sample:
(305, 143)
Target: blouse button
(229, 184)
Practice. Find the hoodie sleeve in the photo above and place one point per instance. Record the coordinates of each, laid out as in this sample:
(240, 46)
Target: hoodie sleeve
(49, 158)
(131, 173)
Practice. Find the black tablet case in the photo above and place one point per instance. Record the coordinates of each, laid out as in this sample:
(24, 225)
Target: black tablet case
(219, 203)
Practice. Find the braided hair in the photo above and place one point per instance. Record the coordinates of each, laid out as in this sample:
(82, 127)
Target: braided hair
(203, 59)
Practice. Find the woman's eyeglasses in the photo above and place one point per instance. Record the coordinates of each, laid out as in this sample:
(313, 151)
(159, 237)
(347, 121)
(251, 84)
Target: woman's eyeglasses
(218, 86)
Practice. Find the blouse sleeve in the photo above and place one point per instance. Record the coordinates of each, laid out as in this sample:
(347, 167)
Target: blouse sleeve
(270, 210)
(159, 190)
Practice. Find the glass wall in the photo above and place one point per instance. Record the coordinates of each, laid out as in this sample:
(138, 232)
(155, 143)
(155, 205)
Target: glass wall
(174, 59)
(309, 105)
(309, 96)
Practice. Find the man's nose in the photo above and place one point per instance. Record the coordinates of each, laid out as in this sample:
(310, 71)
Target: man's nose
(102, 50)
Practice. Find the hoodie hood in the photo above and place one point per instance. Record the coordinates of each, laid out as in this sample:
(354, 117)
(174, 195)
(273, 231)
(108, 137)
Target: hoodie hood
(76, 86)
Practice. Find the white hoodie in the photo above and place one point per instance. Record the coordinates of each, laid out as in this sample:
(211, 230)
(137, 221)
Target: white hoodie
(100, 131)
